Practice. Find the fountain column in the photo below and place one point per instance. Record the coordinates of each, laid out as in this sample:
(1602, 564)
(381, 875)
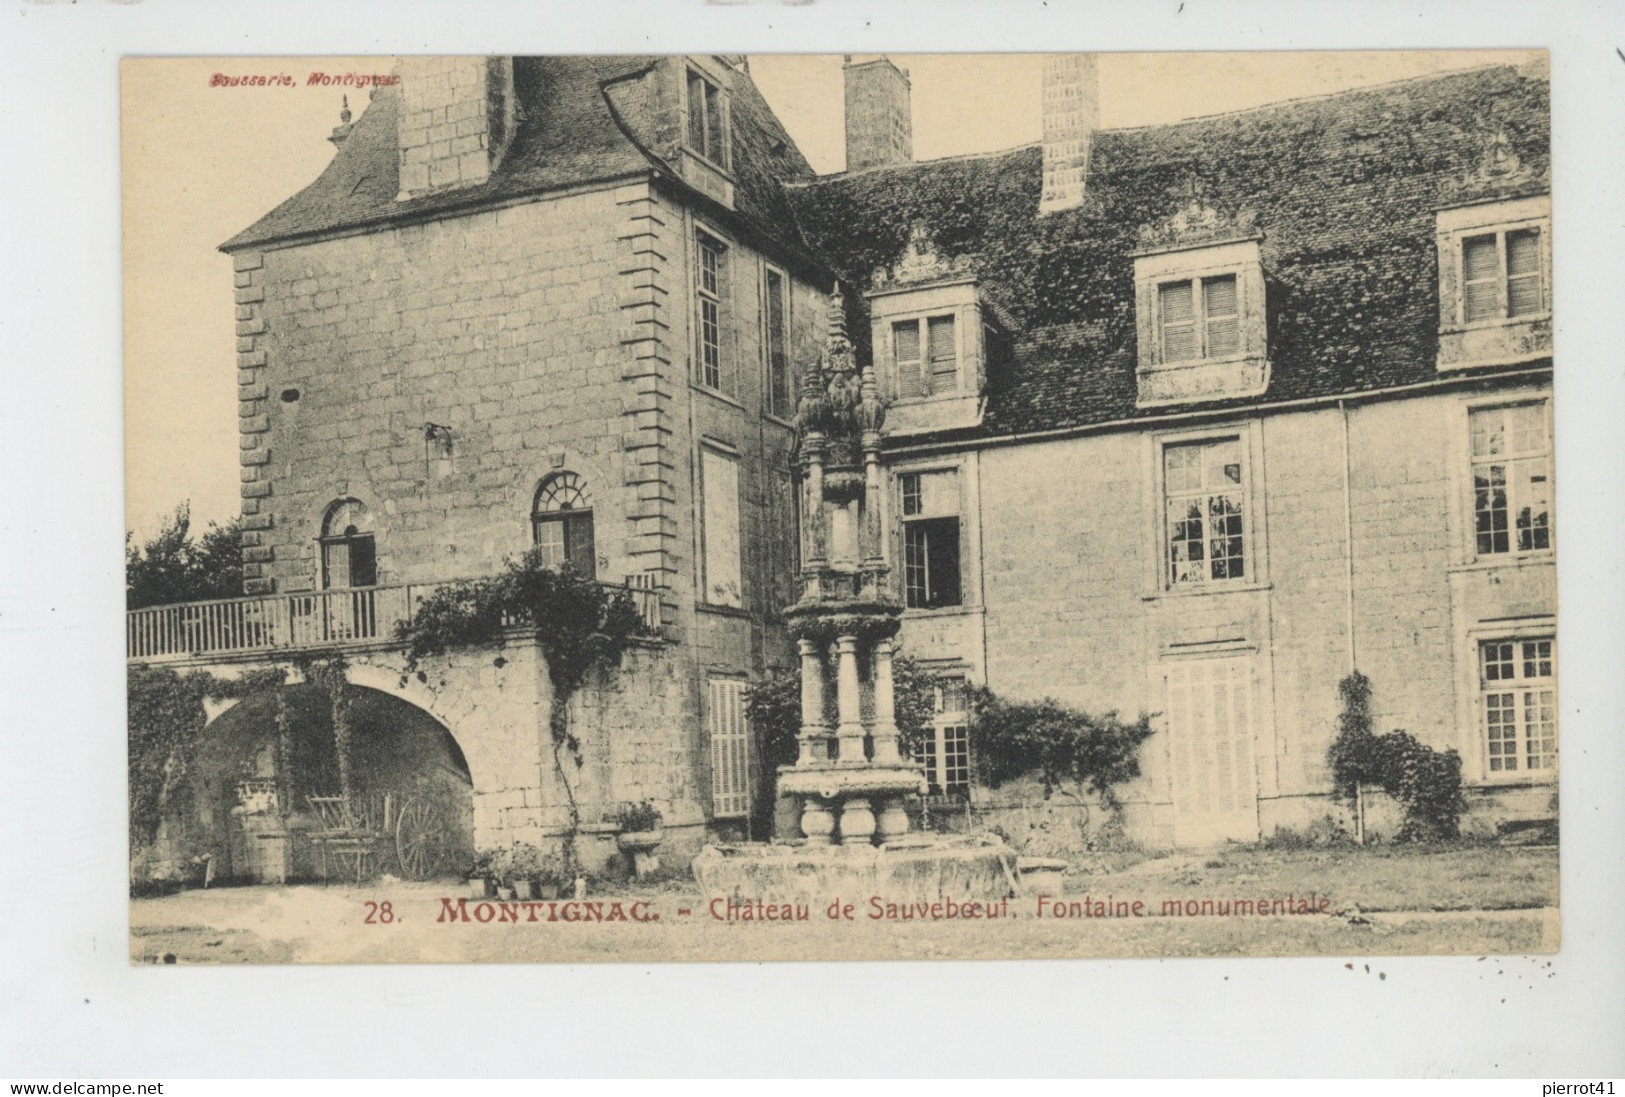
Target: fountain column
(814, 739)
(886, 752)
(847, 702)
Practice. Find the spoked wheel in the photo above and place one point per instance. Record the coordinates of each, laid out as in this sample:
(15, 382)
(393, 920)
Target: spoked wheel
(422, 839)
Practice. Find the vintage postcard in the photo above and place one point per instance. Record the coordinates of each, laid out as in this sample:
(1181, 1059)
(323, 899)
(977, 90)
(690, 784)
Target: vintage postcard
(724, 507)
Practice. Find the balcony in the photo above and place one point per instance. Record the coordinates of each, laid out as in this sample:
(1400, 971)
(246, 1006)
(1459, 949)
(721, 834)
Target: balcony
(323, 620)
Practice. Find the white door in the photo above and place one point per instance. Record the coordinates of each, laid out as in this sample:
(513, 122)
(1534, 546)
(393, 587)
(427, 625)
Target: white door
(1210, 742)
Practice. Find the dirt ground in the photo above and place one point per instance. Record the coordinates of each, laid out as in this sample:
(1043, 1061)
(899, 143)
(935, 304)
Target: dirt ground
(1477, 900)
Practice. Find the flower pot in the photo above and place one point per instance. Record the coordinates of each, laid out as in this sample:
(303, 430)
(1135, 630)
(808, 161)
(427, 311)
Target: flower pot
(525, 889)
(547, 891)
(638, 841)
(478, 888)
(639, 847)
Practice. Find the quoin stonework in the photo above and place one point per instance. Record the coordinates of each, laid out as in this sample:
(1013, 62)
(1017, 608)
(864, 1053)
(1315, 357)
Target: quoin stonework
(1193, 419)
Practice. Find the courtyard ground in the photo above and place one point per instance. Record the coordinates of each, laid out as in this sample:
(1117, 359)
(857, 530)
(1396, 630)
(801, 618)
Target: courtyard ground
(1385, 901)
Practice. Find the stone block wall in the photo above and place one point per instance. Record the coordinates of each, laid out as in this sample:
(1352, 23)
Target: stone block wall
(1074, 608)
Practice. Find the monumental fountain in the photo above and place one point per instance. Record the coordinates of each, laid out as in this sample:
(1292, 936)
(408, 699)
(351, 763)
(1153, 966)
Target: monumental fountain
(850, 781)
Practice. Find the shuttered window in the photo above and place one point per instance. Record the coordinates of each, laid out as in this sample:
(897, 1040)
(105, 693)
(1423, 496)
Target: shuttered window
(1199, 318)
(1525, 294)
(1502, 275)
(1210, 734)
(1480, 277)
(706, 128)
(928, 366)
(777, 336)
(1178, 322)
(730, 748)
(1219, 309)
(719, 485)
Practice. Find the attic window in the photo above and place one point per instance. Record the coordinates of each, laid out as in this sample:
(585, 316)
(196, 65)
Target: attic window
(1202, 323)
(706, 132)
(1495, 301)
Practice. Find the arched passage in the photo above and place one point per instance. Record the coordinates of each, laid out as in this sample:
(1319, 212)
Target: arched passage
(266, 784)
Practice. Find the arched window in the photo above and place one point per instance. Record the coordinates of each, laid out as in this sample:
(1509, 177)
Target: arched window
(561, 521)
(348, 556)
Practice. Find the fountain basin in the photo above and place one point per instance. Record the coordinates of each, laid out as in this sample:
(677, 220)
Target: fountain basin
(916, 869)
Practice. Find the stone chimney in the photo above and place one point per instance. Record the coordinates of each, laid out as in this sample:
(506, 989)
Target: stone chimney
(457, 117)
(1071, 116)
(879, 119)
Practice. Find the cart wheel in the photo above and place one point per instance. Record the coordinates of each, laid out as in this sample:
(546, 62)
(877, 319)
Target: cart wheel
(420, 839)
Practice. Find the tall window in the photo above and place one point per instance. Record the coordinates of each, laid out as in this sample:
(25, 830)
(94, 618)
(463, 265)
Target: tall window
(1203, 483)
(945, 750)
(349, 557)
(705, 119)
(1199, 318)
(1512, 490)
(1501, 275)
(1520, 705)
(561, 522)
(931, 539)
(926, 354)
(779, 397)
(730, 747)
(719, 488)
(710, 280)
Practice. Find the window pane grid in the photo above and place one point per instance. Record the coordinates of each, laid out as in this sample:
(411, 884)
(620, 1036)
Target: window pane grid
(1520, 725)
(709, 283)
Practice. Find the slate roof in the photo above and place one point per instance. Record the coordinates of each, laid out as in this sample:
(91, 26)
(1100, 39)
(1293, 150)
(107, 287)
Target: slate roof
(586, 120)
(1344, 187)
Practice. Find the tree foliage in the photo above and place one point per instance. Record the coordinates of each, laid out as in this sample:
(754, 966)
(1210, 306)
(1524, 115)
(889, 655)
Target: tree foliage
(1059, 745)
(1426, 782)
(173, 567)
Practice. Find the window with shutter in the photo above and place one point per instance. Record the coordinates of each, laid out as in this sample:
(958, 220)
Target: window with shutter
(1223, 318)
(1178, 322)
(927, 362)
(944, 355)
(1209, 712)
(719, 487)
(706, 129)
(730, 748)
(779, 401)
(1525, 293)
(1199, 318)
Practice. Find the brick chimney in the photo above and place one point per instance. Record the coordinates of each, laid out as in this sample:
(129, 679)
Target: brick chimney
(457, 117)
(1071, 116)
(879, 119)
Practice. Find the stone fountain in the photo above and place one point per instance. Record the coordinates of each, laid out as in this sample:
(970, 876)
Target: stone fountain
(850, 780)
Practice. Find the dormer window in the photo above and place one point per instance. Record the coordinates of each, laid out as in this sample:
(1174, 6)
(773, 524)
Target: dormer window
(925, 351)
(1501, 275)
(707, 119)
(1201, 321)
(1495, 299)
(1200, 318)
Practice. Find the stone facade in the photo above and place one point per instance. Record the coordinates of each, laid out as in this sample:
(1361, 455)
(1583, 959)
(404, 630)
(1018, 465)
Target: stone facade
(1070, 601)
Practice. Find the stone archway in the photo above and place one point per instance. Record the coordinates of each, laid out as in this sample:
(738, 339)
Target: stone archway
(257, 794)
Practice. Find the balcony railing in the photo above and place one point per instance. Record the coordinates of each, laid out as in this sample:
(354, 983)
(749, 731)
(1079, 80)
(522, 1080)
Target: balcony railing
(308, 620)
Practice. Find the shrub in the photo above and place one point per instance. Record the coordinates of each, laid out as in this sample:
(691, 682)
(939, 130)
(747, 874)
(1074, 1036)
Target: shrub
(1426, 782)
(1059, 745)
(638, 818)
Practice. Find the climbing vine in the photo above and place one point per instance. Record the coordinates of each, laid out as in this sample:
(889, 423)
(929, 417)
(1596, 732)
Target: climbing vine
(576, 622)
(1426, 782)
(166, 718)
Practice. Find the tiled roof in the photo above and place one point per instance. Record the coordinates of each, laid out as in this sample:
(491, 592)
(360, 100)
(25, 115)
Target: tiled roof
(586, 119)
(1344, 189)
